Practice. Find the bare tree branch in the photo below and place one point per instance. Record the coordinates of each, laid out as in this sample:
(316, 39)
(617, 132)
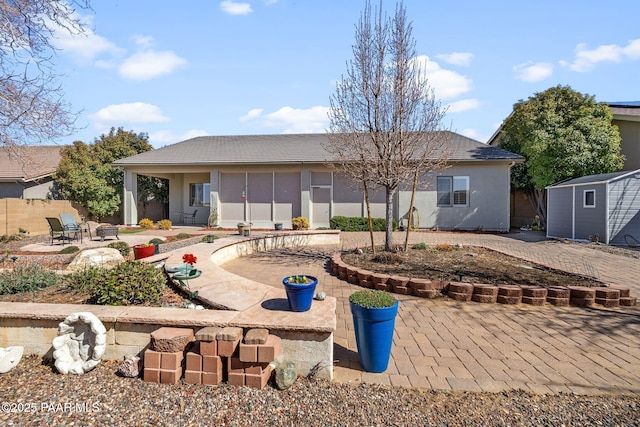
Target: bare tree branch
(385, 122)
(32, 108)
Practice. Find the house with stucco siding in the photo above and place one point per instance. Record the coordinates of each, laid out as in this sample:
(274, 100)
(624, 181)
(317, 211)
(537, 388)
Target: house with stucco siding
(265, 179)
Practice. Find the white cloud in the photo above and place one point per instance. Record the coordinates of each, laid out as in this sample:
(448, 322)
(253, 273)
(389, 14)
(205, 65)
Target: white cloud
(530, 72)
(252, 114)
(145, 42)
(150, 64)
(233, 8)
(134, 112)
(463, 105)
(270, 2)
(632, 50)
(446, 84)
(88, 46)
(462, 59)
(164, 137)
(586, 59)
(84, 47)
(292, 120)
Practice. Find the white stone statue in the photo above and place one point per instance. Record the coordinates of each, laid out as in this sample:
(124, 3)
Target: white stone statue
(80, 344)
(10, 357)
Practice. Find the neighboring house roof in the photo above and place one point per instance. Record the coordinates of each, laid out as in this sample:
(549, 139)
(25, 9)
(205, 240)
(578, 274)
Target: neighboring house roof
(595, 179)
(29, 163)
(628, 111)
(283, 148)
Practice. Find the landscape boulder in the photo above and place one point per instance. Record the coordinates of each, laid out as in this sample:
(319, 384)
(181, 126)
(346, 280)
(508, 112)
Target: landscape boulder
(98, 257)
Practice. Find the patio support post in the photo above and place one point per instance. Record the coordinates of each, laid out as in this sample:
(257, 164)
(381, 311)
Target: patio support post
(214, 189)
(130, 207)
(305, 194)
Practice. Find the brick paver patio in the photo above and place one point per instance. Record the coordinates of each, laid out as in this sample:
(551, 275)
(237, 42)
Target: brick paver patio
(443, 344)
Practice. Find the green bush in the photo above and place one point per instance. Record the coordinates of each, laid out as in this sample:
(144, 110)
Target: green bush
(421, 246)
(372, 298)
(128, 283)
(6, 238)
(359, 223)
(121, 246)
(70, 250)
(26, 278)
(156, 241)
(82, 280)
(183, 236)
(209, 238)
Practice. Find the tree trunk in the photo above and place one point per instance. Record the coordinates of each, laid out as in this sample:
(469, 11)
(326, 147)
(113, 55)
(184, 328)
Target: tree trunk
(539, 202)
(410, 214)
(366, 201)
(388, 236)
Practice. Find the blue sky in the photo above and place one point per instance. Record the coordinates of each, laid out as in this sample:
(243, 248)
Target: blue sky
(181, 69)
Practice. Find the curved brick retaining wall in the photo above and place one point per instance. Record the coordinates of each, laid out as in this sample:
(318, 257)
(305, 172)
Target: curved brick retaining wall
(307, 338)
(608, 296)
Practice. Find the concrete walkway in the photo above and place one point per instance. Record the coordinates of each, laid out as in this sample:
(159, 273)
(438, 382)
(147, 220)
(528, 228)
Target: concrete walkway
(443, 344)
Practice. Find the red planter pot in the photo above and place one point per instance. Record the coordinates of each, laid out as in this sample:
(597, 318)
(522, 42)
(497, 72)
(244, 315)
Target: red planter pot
(140, 251)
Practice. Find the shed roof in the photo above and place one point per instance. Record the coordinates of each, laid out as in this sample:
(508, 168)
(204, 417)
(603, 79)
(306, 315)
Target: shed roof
(283, 148)
(27, 163)
(595, 179)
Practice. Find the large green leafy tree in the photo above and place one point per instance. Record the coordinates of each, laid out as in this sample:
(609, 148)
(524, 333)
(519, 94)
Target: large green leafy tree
(562, 134)
(85, 174)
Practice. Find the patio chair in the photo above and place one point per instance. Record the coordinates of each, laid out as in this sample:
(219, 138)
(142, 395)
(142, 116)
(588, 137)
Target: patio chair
(69, 223)
(57, 230)
(189, 217)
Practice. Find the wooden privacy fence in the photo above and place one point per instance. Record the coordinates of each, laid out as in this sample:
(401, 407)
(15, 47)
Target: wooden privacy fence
(30, 214)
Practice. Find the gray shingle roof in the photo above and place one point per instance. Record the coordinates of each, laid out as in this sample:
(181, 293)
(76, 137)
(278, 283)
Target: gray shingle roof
(592, 179)
(282, 149)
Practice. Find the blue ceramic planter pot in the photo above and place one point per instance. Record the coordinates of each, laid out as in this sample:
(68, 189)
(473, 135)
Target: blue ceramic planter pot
(300, 296)
(374, 335)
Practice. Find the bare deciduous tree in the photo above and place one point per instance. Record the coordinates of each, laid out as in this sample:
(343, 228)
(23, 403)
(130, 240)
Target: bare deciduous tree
(385, 121)
(32, 108)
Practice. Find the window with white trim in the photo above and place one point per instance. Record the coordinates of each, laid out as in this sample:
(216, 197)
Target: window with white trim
(453, 191)
(200, 194)
(589, 200)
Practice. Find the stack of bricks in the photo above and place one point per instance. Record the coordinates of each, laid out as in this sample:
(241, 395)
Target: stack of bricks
(164, 358)
(626, 299)
(423, 288)
(220, 354)
(508, 294)
(558, 296)
(250, 365)
(534, 295)
(582, 296)
(484, 293)
(460, 291)
(203, 363)
(400, 285)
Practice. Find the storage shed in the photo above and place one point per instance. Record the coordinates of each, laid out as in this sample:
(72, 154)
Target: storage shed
(605, 207)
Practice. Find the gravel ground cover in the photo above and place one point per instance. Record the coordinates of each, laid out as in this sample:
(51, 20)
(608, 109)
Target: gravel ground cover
(38, 396)
(34, 394)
